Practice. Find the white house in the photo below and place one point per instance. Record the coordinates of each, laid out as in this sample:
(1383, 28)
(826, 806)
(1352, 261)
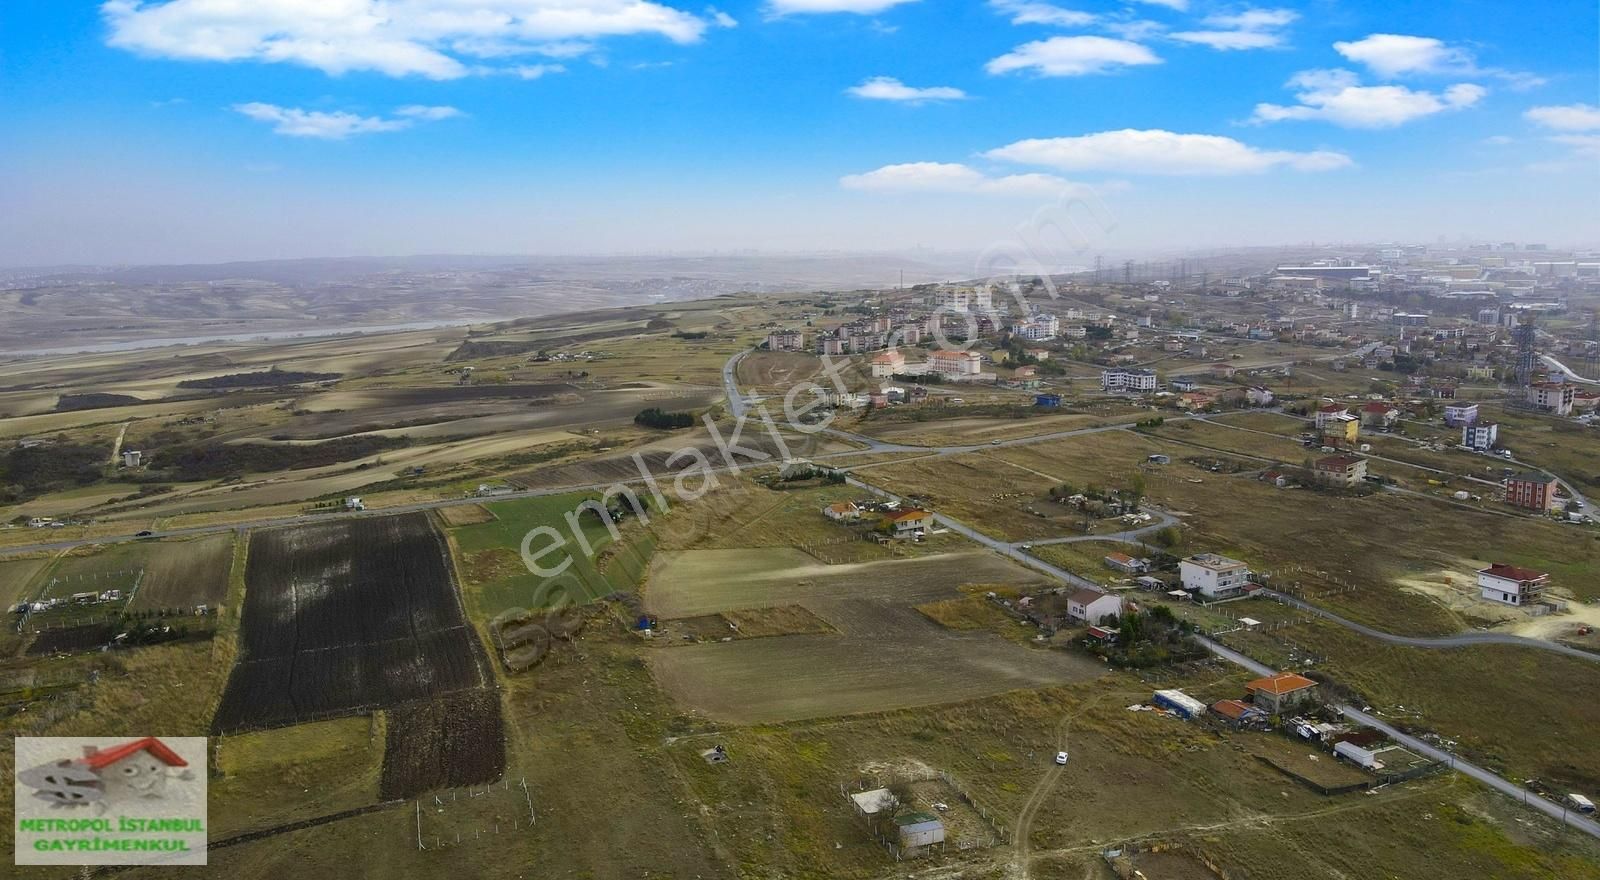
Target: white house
(1093, 606)
(1480, 437)
(1327, 415)
(1213, 576)
(1510, 585)
(1458, 415)
(842, 511)
(1127, 564)
(132, 458)
(1259, 395)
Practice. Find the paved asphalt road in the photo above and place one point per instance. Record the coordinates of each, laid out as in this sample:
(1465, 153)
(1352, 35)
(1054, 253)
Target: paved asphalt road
(1460, 640)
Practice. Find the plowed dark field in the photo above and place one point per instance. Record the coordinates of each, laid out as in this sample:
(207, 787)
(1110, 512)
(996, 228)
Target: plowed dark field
(347, 616)
(446, 743)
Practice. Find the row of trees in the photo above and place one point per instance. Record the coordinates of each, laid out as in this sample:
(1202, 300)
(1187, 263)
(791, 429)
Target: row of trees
(655, 417)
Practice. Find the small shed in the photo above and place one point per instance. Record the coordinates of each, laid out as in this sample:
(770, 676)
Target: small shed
(871, 803)
(1180, 703)
(919, 830)
(1357, 755)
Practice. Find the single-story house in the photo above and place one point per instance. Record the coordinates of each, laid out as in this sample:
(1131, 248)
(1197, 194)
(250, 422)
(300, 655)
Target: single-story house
(1127, 564)
(1239, 713)
(1093, 606)
(1276, 693)
(842, 511)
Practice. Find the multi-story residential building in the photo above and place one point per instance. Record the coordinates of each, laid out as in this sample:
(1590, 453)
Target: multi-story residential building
(1127, 380)
(963, 299)
(1037, 327)
(1459, 415)
(1511, 585)
(786, 340)
(1340, 470)
(1552, 397)
(1379, 415)
(1480, 437)
(1214, 576)
(1534, 491)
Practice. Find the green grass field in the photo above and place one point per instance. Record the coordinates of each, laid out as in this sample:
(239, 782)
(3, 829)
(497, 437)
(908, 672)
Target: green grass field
(496, 578)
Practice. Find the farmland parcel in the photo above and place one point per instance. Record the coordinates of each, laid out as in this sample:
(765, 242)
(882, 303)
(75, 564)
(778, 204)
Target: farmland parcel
(347, 616)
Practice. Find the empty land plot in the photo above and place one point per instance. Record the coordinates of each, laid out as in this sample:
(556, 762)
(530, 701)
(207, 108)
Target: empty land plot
(779, 370)
(465, 515)
(885, 653)
(693, 582)
(491, 553)
(182, 574)
(456, 740)
(956, 429)
(16, 578)
(344, 616)
(270, 777)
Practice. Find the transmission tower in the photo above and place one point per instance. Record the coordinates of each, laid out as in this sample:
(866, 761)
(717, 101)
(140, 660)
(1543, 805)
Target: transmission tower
(1527, 356)
(1592, 350)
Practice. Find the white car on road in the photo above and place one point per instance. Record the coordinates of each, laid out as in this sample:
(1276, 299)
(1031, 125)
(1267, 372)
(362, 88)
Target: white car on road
(1061, 757)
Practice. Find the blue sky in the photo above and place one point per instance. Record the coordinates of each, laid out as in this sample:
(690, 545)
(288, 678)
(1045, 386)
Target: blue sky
(198, 130)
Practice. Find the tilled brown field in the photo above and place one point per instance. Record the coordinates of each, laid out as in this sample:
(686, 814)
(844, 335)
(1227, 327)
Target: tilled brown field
(347, 616)
(453, 741)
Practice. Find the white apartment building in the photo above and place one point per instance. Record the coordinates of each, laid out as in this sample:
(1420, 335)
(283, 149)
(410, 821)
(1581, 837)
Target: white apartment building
(1038, 327)
(1480, 437)
(1214, 576)
(963, 299)
(1127, 380)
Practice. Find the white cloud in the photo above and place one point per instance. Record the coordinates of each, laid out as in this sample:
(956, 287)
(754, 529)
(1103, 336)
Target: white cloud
(425, 112)
(1254, 19)
(1073, 56)
(887, 88)
(1033, 12)
(1498, 140)
(1135, 29)
(1250, 29)
(1180, 5)
(1392, 55)
(1337, 96)
(1566, 117)
(1587, 145)
(810, 7)
(426, 38)
(1225, 41)
(1161, 152)
(721, 19)
(535, 71)
(949, 177)
(295, 122)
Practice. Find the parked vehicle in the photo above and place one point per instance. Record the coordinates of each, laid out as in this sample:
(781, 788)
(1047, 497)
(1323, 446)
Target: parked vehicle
(1061, 758)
